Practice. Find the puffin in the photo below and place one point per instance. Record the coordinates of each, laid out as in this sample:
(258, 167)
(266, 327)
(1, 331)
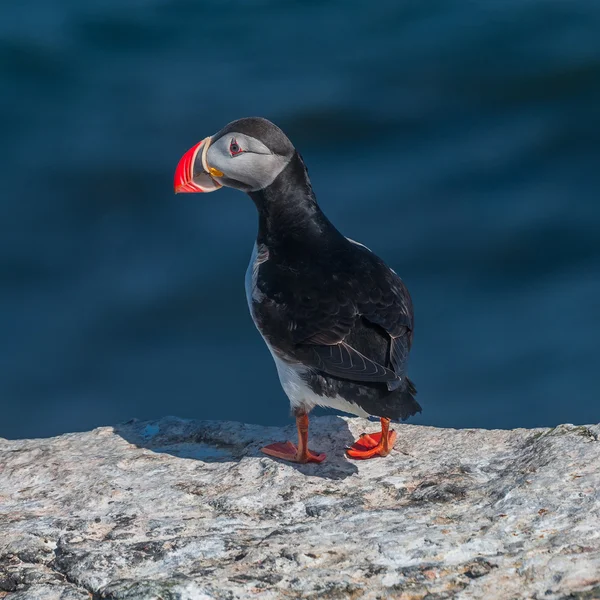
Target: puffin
(337, 320)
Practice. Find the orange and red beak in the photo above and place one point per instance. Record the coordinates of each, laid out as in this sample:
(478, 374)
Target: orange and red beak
(192, 173)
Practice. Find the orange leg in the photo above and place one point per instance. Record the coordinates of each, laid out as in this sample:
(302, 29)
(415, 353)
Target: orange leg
(299, 454)
(369, 445)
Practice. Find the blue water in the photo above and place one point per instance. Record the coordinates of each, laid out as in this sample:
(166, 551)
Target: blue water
(458, 140)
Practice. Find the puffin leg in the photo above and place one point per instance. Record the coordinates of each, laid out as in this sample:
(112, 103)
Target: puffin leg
(300, 453)
(369, 445)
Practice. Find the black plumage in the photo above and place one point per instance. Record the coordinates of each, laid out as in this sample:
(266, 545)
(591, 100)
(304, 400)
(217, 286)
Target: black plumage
(325, 302)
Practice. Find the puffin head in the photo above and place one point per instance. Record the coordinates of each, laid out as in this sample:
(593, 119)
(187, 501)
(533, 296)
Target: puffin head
(248, 155)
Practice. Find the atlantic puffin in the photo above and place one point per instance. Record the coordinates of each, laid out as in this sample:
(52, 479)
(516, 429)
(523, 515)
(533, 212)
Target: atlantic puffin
(336, 319)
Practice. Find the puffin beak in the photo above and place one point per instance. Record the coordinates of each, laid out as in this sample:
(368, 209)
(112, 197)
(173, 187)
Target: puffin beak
(193, 174)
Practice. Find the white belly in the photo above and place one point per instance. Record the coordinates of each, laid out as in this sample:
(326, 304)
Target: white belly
(302, 396)
(250, 279)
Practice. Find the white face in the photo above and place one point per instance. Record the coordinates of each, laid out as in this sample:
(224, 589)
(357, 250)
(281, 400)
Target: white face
(246, 163)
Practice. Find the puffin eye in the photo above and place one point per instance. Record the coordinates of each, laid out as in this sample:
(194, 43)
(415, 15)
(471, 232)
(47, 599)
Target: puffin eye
(234, 148)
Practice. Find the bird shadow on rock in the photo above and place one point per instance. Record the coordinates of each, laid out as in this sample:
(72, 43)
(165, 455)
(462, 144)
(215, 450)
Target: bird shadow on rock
(229, 441)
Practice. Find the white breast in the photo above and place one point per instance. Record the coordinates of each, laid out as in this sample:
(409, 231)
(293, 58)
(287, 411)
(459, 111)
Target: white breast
(259, 256)
(250, 279)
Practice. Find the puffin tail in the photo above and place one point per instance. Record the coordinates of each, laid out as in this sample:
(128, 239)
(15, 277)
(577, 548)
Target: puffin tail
(404, 402)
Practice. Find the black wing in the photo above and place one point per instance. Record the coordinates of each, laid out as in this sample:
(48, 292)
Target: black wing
(394, 313)
(383, 300)
(341, 360)
(322, 320)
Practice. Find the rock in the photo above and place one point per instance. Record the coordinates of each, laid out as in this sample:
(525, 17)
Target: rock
(183, 510)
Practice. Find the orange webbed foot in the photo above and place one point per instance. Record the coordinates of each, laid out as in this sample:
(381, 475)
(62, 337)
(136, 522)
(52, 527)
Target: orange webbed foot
(288, 451)
(299, 453)
(370, 445)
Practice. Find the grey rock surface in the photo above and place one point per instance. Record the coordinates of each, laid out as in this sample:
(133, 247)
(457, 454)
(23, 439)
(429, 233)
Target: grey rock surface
(189, 510)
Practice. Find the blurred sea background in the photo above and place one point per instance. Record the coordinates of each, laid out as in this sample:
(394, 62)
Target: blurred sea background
(458, 140)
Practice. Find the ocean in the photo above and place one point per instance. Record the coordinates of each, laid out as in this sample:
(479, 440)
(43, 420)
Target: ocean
(460, 141)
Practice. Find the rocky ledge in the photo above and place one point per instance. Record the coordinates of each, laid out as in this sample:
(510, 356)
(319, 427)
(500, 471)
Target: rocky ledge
(186, 510)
